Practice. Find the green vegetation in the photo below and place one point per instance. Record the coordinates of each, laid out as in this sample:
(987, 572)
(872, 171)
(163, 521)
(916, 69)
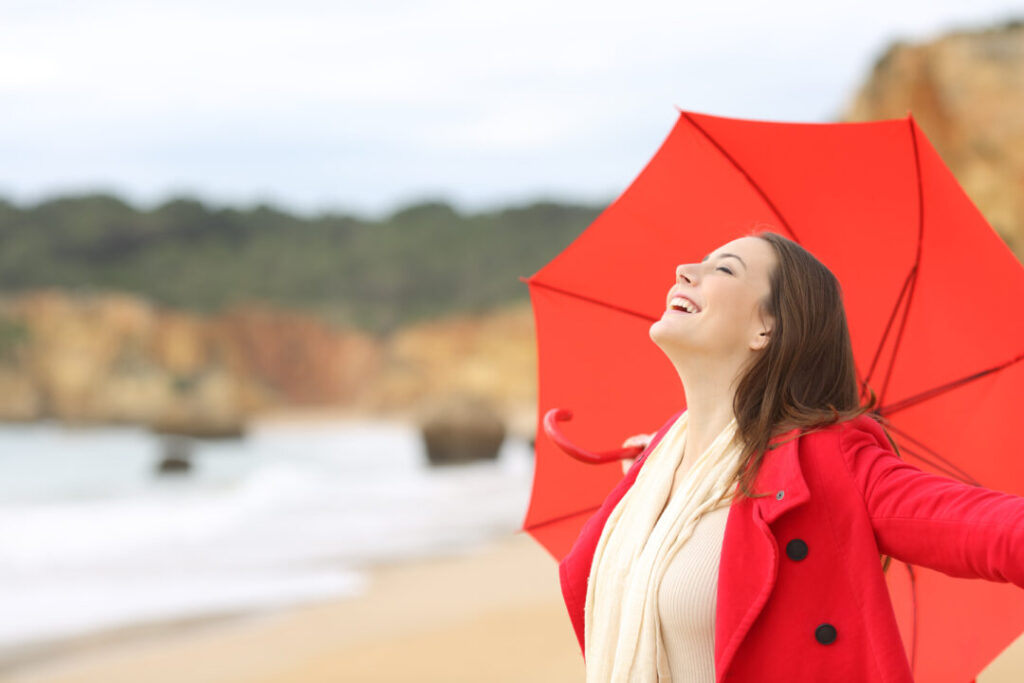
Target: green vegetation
(424, 260)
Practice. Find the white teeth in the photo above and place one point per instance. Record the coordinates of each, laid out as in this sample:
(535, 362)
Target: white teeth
(678, 301)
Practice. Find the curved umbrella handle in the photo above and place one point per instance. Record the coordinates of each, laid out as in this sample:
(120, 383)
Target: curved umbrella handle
(564, 415)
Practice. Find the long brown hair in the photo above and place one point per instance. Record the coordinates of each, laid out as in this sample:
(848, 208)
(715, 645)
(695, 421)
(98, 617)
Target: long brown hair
(805, 376)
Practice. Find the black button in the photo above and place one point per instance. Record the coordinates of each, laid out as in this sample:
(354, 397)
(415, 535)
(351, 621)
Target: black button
(796, 549)
(825, 634)
(780, 494)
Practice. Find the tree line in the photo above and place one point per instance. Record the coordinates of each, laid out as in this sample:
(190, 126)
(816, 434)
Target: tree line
(424, 260)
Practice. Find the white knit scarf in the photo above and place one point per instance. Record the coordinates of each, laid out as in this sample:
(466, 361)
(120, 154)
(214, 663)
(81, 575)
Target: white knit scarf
(622, 631)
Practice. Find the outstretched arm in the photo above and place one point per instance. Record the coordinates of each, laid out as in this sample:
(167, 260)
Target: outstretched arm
(934, 521)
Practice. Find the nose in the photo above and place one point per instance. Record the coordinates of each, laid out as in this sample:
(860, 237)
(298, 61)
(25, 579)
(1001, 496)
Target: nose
(682, 275)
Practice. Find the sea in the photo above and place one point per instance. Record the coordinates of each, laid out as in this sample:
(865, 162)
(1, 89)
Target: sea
(92, 538)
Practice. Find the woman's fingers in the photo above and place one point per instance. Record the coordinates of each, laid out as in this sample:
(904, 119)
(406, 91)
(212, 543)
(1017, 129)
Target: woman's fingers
(637, 440)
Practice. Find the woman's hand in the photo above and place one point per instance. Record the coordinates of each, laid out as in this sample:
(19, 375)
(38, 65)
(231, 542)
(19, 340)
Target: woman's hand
(638, 440)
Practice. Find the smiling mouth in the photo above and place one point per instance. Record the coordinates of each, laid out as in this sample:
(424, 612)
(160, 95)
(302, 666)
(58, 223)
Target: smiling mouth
(682, 305)
(677, 308)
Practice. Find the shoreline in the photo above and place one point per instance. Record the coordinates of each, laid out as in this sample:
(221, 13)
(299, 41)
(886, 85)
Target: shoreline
(438, 619)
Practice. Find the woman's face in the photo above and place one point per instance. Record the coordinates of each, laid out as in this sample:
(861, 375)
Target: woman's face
(726, 288)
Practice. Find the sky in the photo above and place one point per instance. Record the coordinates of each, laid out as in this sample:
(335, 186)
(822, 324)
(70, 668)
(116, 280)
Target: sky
(362, 107)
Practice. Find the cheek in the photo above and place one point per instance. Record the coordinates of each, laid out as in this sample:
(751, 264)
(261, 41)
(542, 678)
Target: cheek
(734, 318)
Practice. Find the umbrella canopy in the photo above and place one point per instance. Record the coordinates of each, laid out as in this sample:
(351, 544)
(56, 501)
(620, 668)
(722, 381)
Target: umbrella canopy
(932, 296)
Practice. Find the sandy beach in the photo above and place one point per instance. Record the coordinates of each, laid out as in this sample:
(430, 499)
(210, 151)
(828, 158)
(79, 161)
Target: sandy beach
(493, 614)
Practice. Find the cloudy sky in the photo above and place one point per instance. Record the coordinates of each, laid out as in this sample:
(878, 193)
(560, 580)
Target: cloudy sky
(363, 106)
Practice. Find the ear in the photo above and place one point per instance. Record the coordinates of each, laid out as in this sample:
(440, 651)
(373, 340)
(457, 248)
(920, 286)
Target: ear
(763, 334)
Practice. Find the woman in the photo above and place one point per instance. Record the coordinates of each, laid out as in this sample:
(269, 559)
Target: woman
(681, 576)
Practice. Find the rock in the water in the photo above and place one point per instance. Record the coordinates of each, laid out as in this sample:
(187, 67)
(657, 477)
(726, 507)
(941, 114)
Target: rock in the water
(193, 421)
(461, 428)
(176, 457)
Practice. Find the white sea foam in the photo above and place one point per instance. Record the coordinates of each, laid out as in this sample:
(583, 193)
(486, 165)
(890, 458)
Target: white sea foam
(91, 538)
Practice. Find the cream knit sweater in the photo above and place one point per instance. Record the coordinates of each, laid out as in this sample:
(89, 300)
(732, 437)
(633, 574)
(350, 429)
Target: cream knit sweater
(687, 600)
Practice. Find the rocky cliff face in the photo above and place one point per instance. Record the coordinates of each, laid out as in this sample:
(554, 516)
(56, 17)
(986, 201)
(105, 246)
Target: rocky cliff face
(966, 91)
(117, 358)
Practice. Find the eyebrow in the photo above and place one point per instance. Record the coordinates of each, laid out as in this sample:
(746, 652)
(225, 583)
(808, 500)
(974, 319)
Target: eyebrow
(724, 256)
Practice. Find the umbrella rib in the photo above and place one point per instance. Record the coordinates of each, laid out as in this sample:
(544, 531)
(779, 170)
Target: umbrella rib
(917, 260)
(560, 518)
(913, 602)
(753, 183)
(888, 326)
(592, 300)
(899, 334)
(950, 468)
(934, 391)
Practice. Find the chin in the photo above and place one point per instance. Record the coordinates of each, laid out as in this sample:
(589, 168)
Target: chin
(661, 334)
(672, 339)
(655, 330)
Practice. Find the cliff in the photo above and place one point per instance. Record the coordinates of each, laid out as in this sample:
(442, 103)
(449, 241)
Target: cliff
(118, 358)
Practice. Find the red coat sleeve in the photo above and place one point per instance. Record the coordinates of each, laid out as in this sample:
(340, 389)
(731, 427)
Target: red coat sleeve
(930, 520)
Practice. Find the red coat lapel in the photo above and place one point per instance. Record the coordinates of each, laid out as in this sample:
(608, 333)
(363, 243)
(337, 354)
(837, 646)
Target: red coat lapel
(747, 571)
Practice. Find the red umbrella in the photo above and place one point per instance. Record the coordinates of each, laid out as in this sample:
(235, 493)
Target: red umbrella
(932, 296)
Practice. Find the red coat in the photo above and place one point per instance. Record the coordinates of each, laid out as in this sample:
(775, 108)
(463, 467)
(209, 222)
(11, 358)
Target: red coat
(801, 592)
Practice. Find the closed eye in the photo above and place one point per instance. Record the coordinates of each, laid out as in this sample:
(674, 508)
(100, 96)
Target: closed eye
(724, 268)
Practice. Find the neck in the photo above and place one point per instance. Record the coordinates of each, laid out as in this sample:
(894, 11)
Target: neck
(709, 390)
